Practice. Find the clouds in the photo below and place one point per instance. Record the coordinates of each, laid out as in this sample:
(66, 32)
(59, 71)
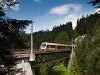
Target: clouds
(59, 10)
(70, 12)
(7, 4)
(98, 10)
(15, 7)
(64, 9)
(38, 1)
(67, 18)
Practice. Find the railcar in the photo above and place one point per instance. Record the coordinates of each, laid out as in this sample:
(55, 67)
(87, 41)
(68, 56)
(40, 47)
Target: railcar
(45, 46)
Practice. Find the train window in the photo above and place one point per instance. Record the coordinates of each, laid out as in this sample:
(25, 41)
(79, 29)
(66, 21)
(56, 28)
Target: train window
(58, 47)
(63, 47)
(50, 46)
(68, 47)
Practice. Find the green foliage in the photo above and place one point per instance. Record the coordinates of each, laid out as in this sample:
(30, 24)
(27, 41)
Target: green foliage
(52, 68)
(74, 70)
(81, 59)
(95, 3)
(59, 70)
(86, 25)
(1, 12)
(26, 40)
(86, 60)
(62, 38)
(96, 51)
(45, 69)
(10, 40)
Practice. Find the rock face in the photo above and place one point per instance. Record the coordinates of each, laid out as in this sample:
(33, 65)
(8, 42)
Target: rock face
(24, 67)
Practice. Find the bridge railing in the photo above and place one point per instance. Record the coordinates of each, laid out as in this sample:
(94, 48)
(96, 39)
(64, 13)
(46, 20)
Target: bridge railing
(45, 57)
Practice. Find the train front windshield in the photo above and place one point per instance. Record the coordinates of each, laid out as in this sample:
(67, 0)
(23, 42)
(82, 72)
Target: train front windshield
(43, 45)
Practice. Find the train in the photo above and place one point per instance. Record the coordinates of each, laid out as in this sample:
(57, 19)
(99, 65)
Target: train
(46, 46)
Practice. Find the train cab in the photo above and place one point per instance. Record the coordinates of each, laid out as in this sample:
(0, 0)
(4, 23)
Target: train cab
(45, 46)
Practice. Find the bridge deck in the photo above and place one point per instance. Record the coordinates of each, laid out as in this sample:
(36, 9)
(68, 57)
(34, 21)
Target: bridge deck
(27, 54)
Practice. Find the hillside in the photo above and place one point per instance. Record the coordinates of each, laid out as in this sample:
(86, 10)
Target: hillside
(59, 34)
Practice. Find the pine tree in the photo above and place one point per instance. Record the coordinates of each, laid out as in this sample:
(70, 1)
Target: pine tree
(10, 40)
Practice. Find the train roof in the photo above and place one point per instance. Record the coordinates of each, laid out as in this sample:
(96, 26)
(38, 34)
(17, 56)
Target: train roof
(55, 44)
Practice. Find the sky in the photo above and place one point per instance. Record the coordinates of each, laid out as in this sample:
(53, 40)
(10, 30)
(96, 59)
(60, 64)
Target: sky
(49, 13)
